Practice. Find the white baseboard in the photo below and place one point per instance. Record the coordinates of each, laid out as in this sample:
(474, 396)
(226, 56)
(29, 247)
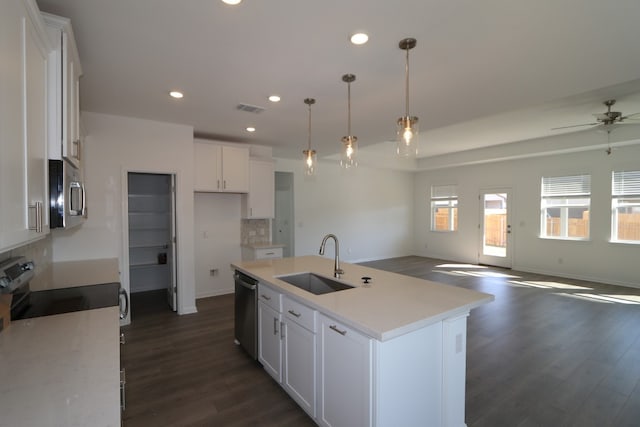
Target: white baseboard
(215, 293)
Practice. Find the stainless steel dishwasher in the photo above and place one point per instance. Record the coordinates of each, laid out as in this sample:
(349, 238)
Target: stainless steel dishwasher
(246, 305)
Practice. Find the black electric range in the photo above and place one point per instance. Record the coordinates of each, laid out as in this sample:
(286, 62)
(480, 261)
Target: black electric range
(66, 300)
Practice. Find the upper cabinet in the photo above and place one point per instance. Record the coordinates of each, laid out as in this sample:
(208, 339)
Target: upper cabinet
(64, 92)
(220, 168)
(260, 201)
(24, 50)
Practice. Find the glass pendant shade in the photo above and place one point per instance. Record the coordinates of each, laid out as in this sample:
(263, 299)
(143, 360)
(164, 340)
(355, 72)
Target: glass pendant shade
(310, 162)
(407, 137)
(349, 152)
(348, 156)
(310, 159)
(407, 129)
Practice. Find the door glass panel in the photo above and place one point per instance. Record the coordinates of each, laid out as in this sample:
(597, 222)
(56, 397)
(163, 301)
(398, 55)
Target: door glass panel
(494, 242)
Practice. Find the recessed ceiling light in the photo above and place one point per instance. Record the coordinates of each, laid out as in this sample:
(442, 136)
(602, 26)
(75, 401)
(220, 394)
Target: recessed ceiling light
(274, 98)
(175, 94)
(231, 2)
(359, 38)
(251, 129)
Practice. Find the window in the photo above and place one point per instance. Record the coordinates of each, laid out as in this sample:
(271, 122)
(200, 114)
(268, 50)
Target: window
(565, 207)
(625, 207)
(444, 208)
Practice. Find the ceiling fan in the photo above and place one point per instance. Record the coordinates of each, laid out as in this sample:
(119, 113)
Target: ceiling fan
(607, 118)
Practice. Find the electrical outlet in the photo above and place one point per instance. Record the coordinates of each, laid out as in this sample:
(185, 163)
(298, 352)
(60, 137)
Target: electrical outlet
(213, 272)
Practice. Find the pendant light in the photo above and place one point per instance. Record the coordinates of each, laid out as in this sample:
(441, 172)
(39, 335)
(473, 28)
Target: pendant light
(349, 143)
(407, 132)
(310, 161)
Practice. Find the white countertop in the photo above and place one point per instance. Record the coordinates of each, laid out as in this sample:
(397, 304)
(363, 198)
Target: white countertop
(393, 305)
(61, 370)
(67, 274)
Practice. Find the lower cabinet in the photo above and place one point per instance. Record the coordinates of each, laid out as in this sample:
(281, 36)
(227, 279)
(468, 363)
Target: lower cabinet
(344, 375)
(269, 341)
(299, 347)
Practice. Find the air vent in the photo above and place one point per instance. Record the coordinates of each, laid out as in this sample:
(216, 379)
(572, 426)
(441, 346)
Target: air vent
(250, 108)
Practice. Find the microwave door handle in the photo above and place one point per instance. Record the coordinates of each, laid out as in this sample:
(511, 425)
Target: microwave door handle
(83, 209)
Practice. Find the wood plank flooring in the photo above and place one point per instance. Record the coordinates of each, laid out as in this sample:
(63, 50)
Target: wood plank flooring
(546, 352)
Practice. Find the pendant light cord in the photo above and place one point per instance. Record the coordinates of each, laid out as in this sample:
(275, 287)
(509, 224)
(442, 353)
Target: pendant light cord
(349, 109)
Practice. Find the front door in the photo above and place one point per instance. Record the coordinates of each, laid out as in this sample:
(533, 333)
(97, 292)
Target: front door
(495, 228)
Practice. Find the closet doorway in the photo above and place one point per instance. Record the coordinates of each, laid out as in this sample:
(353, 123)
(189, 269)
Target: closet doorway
(152, 248)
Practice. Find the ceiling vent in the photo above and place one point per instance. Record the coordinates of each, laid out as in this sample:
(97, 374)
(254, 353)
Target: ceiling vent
(249, 108)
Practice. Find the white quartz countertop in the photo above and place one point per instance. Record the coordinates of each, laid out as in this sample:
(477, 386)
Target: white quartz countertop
(67, 274)
(393, 305)
(61, 370)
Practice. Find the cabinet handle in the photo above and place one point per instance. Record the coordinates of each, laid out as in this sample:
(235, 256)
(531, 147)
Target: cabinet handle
(122, 340)
(37, 207)
(270, 253)
(282, 330)
(335, 328)
(265, 297)
(224, 184)
(294, 313)
(275, 326)
(218, 184)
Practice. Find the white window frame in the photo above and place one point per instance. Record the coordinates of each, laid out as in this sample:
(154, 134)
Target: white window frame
(444, 197)
(625, 193)
(564, 192)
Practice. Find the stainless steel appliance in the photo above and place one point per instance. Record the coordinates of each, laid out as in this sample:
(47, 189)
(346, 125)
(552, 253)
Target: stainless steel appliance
(246, 319)
(15, 275)
(67, 195)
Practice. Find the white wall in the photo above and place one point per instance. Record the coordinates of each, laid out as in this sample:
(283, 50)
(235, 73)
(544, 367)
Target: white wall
(370, 210)
(217, 241)
(596, 259)
(116, 145)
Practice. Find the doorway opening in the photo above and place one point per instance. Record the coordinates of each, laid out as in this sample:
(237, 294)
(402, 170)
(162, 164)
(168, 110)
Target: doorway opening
(152, 248)
(283, 231)
(495, 228)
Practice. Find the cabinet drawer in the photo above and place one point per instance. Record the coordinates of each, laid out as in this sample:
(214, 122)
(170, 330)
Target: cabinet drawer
(268, 253)
(270, 297)
(299, 313)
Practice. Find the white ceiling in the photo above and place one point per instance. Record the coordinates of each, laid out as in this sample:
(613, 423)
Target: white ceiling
(483, 72)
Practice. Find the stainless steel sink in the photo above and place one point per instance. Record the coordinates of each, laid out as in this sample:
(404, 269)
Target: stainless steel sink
(313, 283)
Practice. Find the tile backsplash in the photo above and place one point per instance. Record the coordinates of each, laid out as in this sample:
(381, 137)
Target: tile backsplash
(39, 252)
(255, 231)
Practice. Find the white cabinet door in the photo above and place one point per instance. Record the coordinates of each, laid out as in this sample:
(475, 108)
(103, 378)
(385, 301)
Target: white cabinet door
(260, 201)
(64, 92)
(235, 169)
(344, 383)
(23, 113)
(220, 169)
(269, 342)
(299, 376)
(36, 131)
(207, 162)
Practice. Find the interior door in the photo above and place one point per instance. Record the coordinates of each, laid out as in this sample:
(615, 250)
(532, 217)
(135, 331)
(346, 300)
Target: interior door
(495, 228)
(172, 289)
(283, 224)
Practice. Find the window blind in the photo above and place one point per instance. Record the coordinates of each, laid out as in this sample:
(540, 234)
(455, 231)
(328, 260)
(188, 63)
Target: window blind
(444, 191)
(576, 185)
(626, 183)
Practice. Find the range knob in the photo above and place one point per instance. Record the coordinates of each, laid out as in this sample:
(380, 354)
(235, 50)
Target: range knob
(27, 266)
(4, 282)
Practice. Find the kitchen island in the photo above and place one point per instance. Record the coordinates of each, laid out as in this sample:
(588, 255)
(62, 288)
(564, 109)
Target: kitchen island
(388, 353)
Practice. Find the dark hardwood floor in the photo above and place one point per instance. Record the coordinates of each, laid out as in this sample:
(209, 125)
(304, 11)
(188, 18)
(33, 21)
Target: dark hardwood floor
(546, 352)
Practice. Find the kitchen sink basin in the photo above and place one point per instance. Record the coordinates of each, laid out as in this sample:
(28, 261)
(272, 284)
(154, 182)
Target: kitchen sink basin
(313, 283)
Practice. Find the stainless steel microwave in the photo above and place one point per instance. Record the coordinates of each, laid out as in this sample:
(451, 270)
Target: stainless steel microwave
(67, 195)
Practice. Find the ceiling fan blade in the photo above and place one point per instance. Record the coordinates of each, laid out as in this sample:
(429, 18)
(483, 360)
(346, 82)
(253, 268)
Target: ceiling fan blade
(634, 116)
(602, 116)
(575, 126)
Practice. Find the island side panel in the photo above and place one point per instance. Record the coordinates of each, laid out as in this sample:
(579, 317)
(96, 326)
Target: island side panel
(408, 379)
(454, 370)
